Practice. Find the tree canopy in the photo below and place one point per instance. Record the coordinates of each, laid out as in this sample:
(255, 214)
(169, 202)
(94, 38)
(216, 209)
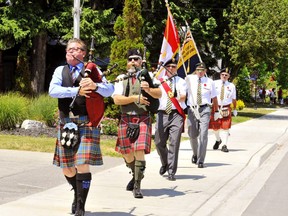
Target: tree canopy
(244, 34)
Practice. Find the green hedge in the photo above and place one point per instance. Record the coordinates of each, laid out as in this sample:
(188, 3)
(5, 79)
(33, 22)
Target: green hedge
(13, 110)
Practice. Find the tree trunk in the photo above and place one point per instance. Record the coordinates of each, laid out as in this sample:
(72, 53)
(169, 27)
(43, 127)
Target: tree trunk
(38, 64)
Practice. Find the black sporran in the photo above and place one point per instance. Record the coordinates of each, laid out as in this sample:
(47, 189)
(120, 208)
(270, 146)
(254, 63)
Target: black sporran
(133, 130)
(69, 136)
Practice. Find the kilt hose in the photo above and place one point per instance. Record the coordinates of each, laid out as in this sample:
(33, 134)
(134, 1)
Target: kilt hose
(88, 152)
(223, 123)
(125, 145)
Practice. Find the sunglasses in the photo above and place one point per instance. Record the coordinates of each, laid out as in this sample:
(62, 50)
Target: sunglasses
(134, 58)
(171, 66)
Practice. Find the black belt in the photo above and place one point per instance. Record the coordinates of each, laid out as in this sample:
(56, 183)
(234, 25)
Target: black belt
(201, 106)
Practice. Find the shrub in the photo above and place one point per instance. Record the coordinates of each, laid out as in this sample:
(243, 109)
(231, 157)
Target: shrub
(13, 110)
(240, 105)
(109, 126)
(43, 108)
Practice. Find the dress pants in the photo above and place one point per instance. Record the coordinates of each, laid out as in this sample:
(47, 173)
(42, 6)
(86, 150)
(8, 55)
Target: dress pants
(168, 126)
(198, 132)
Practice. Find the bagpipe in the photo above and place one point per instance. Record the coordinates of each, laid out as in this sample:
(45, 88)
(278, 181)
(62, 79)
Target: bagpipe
(95, 103)
(145, 76)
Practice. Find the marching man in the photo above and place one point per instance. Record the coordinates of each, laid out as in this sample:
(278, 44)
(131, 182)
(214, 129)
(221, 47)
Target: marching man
(226, 94)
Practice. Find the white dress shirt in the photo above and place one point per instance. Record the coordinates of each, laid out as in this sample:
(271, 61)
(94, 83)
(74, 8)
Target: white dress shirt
(229, 92)
(208, 90)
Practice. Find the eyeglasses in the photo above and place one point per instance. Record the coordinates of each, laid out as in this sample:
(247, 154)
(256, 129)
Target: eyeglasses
(133, 58)
(171, 66)
(224, 75)
(72, 49)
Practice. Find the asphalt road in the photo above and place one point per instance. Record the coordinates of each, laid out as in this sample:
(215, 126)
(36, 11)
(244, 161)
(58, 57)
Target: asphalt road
(23, 173)
(273, 197)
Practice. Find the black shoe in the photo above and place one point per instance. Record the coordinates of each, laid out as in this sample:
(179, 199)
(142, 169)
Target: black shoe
(80, 212)
(216, 145)
(73, 208)
(130, 185)
(200, 165)
(224, 148)
(171, 177)
(137, 190)
(194, 159)
(162, 170)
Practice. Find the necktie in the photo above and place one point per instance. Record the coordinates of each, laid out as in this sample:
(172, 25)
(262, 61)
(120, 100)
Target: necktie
(73, 74)
(169, 102)
(222, 92)
(199, 94)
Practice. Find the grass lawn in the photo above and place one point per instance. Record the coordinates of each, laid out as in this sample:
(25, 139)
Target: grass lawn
(45, 144)
(250, 113)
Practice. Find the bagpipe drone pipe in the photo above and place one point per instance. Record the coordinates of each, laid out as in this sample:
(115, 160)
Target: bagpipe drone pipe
(145, 76)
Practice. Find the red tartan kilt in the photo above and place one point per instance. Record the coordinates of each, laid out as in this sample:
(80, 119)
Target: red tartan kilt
(223, 123)
(125, 145)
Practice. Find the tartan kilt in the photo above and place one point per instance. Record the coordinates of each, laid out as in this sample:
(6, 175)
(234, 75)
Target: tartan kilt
(88, 152)
(125, 145)
(223, 123)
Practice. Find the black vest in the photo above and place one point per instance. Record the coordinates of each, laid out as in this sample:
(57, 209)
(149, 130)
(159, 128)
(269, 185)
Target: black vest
(63, 103)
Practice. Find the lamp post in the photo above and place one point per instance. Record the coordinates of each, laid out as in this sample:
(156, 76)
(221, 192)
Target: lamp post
(76, 19)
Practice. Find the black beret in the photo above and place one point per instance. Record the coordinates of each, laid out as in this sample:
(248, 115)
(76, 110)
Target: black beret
(201, 65)
(225, 70)
(134, 53)
(171, 61)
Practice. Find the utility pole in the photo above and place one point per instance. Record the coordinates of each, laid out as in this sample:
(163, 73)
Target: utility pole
(76, 16)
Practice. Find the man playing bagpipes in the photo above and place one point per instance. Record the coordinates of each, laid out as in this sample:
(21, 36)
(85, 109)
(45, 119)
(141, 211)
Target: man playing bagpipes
(135, 128)
(81, 107)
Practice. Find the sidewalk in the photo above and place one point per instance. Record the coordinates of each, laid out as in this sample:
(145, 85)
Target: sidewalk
(195, 192)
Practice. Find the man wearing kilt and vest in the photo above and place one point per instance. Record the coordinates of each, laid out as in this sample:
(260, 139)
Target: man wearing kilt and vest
(78, 142)
(226, 95)
(135, 128)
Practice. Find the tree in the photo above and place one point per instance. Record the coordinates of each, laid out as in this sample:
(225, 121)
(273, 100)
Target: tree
(259, 38)
(128, 35)
(259, 32)
(40, 23)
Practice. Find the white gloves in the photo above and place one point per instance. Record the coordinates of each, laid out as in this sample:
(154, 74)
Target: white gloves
(216, 116)
(196, 112)
(235, 113)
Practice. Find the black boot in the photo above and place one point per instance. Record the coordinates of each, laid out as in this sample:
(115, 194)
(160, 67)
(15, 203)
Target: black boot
(72, 182)
(130, 185)
(139, 175)
(83, 185)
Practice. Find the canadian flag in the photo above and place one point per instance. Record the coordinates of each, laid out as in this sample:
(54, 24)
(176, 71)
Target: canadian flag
(170, 44)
